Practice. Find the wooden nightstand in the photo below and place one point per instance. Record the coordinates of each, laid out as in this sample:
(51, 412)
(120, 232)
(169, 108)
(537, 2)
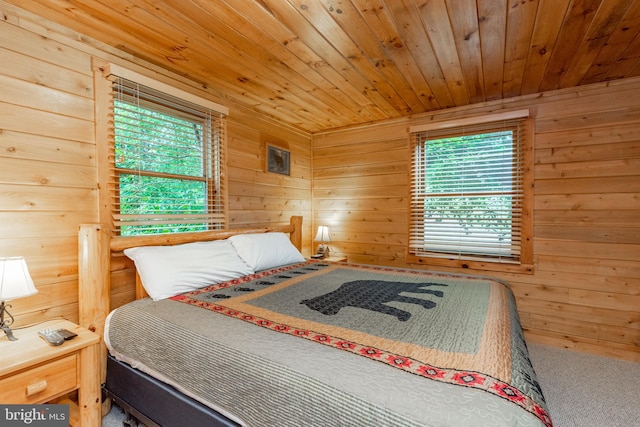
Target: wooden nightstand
(337, 258)
(34, 372)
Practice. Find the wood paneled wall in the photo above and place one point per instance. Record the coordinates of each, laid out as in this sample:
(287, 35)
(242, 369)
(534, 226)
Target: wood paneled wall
(48, 175)
(585, 291)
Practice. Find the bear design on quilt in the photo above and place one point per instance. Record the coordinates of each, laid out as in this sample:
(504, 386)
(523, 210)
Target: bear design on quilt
(372, 295)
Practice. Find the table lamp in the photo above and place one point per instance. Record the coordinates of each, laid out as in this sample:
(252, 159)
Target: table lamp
(323, 237)
(15, 282)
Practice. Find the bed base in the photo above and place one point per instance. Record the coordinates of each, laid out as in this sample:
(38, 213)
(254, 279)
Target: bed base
(154, 403)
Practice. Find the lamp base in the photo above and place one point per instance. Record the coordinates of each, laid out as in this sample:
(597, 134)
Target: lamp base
(7, 330)
(323, 250)
(5, 325)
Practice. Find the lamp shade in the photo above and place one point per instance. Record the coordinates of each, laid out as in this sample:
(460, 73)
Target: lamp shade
(323, 234)
(15, 280)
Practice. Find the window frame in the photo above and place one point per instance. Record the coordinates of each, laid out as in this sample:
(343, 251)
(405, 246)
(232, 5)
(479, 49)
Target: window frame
(214, 146)
(455, 127)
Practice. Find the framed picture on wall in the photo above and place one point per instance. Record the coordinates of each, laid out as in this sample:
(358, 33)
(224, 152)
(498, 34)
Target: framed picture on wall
(278, 160)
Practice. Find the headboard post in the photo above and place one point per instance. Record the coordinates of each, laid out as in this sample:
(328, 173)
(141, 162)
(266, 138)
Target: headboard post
(296, 234)
(94, 277)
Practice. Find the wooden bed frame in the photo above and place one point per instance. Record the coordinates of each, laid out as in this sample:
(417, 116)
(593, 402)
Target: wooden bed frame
(96, 247)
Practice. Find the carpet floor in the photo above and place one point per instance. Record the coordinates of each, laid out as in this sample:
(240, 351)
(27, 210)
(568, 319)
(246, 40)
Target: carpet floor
(582, 390)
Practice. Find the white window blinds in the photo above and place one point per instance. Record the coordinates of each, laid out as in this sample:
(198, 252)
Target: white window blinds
(467, 192)
(167, 158)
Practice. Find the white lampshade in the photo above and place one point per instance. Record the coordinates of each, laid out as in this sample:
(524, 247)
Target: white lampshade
(323, 234)
(15, 280)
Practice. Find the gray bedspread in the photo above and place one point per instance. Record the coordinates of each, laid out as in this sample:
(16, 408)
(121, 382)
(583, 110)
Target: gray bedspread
(234, 347)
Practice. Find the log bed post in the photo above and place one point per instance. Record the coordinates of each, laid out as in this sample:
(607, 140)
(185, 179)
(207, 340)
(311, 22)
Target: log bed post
(94, 284)
(296, 234)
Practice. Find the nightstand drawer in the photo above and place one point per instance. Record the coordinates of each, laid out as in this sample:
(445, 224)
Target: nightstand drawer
(41, 383)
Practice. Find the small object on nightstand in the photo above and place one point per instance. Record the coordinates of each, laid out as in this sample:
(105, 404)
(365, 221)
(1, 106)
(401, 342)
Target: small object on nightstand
(51, 336)
(66, 334)
(317, 256)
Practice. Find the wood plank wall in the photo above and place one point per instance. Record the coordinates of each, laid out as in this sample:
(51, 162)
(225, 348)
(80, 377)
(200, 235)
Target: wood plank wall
(585, 292)
(48, 178)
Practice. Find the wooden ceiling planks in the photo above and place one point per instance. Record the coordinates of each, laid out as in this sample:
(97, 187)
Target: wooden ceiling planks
(466, 33)
(256, 68)
(435, 18)
(338, 43)
(602, 26)
(329, 78)
(549, 18)
(520, 22)
(313, 38)
(381, 24)
(572, 32)
(353, 24)
(620, 40)
(406, 15)
(325, 64)
(277, 38)
(492, 18)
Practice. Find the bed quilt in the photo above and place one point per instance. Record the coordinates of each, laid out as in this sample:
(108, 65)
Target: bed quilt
(383, 346)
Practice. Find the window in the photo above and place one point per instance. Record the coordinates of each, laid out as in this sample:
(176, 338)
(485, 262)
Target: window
(166, 158)
(470, 196)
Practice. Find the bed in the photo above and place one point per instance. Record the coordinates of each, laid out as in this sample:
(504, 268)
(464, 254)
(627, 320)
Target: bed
(295, 342)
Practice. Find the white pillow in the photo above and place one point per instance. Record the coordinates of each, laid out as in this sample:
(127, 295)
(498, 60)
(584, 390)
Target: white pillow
(166, 271)
(266, 250)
